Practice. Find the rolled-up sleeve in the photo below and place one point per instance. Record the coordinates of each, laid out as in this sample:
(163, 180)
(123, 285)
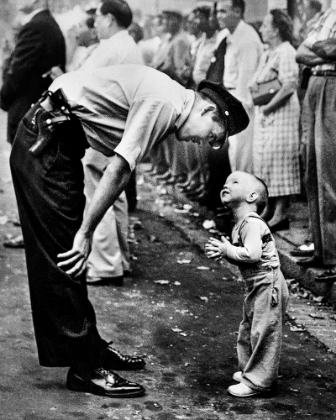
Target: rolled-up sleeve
(148, 121)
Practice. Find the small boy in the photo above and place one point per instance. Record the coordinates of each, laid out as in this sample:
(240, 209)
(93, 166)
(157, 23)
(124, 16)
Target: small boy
(253, 250)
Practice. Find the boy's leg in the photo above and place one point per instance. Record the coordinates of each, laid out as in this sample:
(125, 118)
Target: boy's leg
(244, 348)
(265, 307)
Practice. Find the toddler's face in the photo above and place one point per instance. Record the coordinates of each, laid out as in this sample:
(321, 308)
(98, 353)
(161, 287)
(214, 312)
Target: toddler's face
(236, 188)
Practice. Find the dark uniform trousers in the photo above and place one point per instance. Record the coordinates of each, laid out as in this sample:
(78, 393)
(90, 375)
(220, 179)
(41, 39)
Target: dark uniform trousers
(49, 192)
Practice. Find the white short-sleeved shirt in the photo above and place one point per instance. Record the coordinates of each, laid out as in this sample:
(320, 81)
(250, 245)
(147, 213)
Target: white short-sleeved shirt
(120, 48)
(243, 51)
(126, 109)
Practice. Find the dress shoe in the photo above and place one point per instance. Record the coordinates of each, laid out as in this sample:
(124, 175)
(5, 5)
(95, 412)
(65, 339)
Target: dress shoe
(104, 281)
(166, 181)
(128, 273)
(327, 276)
(238, 376)
(173, 180)
(180, 179)
(193, 185)
(242, 391)
(163, 176)
(16, 242)
(184, 185)
(299, 253)
(103, 382)
(311, 262)
(113, 359)
(195, 192)
(282, 225)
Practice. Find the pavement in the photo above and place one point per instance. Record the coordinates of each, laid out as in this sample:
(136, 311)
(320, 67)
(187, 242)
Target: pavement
(179, 310)
(312, 304)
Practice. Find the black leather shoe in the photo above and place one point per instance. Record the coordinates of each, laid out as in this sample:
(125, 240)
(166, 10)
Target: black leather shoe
(282, 225)
(300, 253)
(16, 242)
(104, 382)
(184, 185)
(311, 262)
(327, 276)
(163, 176)
(104, 281)
(113, 359)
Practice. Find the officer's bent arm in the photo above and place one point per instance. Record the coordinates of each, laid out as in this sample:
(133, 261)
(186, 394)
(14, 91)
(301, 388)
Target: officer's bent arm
(113, 182)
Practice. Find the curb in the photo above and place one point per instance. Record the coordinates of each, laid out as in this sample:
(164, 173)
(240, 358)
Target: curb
(306, 277)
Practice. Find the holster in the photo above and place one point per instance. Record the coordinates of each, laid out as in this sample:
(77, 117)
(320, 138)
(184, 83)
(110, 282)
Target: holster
(46, 122)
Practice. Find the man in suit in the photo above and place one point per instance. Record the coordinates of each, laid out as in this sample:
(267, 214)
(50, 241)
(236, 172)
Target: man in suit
(40, 46)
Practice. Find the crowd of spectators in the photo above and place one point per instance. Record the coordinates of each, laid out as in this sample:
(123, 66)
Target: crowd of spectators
(216, 43)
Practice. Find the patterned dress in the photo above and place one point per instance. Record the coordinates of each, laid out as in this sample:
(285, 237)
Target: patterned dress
(276, 136)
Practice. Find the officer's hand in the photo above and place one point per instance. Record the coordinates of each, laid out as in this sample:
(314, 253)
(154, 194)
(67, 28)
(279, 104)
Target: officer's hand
(74, 261)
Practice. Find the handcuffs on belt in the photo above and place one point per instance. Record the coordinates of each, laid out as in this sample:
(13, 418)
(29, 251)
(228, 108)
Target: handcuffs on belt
(46, 121)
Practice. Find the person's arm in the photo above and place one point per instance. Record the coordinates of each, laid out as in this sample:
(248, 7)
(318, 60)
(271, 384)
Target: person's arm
(250, 252)
(147, 121)
(306, 56)
(113, 182)
(278, 100)
(325, 49)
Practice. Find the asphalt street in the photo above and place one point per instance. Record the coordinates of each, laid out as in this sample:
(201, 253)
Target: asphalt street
(179, 310)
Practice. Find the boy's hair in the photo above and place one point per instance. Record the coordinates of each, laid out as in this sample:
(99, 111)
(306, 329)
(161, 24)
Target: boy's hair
(262, 191)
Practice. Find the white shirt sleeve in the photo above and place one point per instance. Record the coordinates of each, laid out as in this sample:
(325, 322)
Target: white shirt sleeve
(251, 251)
(147, 122)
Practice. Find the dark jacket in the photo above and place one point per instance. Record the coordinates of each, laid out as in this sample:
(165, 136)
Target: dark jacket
(40, 46)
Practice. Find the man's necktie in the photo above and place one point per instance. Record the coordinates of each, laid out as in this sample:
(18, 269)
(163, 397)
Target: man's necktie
(216, 69)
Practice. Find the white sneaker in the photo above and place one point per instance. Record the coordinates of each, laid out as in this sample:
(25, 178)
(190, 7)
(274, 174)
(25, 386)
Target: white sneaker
(309, 247)
(241, 390)
(237, 376)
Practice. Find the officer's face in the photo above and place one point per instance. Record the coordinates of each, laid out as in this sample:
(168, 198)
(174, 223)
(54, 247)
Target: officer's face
(201, 127)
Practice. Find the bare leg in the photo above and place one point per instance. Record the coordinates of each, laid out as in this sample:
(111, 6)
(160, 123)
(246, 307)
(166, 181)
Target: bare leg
(279, 210)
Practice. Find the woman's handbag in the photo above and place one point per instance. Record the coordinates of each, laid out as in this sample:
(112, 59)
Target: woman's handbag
(265, 92)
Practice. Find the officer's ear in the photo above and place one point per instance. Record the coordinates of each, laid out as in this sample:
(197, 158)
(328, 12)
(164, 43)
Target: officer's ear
(208, 108)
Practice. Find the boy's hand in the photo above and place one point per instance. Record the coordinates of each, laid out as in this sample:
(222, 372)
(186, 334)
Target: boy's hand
(216, 248)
